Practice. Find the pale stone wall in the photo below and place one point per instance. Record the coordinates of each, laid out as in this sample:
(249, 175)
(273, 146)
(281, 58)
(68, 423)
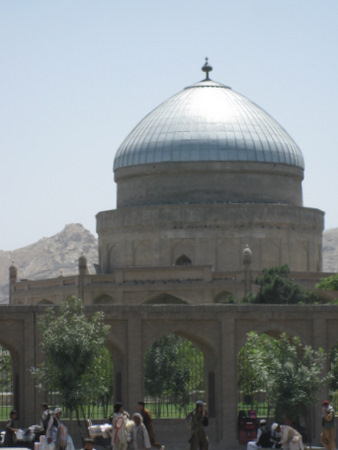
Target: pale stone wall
(218, 330)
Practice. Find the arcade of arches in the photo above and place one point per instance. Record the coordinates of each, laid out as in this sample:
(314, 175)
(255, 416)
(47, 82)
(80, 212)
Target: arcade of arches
(219, 331)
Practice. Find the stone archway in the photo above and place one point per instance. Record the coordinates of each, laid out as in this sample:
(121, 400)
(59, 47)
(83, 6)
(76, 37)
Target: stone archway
(173, 376)
(224, 297)
(44, 301)
(103, 299)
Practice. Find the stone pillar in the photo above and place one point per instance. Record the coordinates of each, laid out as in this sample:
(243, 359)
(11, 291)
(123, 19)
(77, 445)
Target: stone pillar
(83, 271)
(27, 403)
(133, 381)
(228, 398)
(13, 275)
(319, 335)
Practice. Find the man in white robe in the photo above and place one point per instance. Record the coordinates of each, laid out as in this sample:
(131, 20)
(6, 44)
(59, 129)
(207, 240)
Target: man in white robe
(291, 439)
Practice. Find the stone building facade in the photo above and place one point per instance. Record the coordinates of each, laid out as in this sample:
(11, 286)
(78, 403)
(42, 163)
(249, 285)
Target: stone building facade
(208, 193)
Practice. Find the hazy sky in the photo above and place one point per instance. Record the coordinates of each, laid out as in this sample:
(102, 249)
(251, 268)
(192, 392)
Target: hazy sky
(77, 76)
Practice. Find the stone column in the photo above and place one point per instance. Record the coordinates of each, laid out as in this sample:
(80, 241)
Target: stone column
(319, 340)
(133, 388)
(228, 394)
(13, 275)
(27, 386)
(83, 271)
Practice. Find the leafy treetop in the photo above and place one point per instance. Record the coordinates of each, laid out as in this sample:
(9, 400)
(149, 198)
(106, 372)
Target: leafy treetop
(275, 287)
(72, 345)
(329, 283)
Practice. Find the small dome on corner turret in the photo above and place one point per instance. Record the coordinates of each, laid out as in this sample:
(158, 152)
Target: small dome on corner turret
(83, 269)
(246, 256)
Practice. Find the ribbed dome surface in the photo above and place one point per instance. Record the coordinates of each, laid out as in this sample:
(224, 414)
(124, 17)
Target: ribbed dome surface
(208, 122)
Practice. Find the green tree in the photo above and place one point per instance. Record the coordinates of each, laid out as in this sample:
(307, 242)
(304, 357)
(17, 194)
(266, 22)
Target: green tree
(248, 381)
(290, 373)
(329, 283)
(275, 287)
(73, 346)
(6, 370)
(100, 392)
(333, 374)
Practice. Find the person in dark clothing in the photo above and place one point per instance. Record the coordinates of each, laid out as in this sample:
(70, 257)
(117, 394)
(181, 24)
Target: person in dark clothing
(328, 434)
(148, 423)
(198, 420)
(265, 440)
(263, 437)
(11, 428)
(45, 417)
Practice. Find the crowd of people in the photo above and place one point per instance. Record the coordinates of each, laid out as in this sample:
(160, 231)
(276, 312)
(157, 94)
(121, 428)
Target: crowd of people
(50, 434)
(137, 430)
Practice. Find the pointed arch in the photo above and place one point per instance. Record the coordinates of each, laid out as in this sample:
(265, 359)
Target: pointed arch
(103, 299)
(183, 247)
(165, 299)
(45, 301)
(224, 297)
(113, 258)
(183, 260)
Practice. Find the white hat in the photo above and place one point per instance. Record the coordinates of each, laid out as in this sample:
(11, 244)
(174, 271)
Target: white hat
(274, 426)
(262, 421)
(57, 410)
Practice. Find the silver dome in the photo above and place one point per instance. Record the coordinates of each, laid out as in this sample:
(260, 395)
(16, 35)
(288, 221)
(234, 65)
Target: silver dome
(208, 121)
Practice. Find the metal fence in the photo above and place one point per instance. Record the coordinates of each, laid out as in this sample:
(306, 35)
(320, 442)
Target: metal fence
(6, 384)
(173, 377)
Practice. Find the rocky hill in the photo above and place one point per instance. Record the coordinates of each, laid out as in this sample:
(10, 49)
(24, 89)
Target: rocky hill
(330, 250)
(48, 257)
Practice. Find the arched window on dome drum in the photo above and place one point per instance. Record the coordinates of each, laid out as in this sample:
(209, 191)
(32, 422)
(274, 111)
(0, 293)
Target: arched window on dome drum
(183, 260)
(6, 383)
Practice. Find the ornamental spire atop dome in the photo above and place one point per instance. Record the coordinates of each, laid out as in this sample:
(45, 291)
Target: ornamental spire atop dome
(206, 68)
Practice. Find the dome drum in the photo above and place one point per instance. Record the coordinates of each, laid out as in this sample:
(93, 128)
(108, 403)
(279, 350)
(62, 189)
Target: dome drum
(153, 236)
(209, 182)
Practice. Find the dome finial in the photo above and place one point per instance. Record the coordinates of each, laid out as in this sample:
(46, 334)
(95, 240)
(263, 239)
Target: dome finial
(206, 68)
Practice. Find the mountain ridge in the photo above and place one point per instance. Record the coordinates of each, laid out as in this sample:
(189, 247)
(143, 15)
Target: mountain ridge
(49, 257)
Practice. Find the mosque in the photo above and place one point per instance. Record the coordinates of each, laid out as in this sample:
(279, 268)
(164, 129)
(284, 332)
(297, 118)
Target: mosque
(203, 180)
(209, 192)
